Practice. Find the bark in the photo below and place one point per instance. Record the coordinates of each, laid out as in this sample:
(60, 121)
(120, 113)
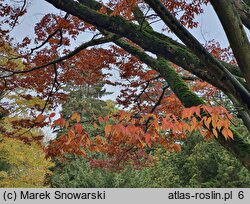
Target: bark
(193, 44)
(236, 34)
(247, 2)
(244, 12)
(241, 113)
(96, 6)
(169, 50)
(166, 48)
(238, 147)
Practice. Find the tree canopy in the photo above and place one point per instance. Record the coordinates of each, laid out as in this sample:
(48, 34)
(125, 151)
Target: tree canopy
(172, 88)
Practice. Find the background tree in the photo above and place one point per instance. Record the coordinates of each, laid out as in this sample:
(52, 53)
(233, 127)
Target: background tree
(22, 165)
(86, 100)
(22, 159)
(198, 165)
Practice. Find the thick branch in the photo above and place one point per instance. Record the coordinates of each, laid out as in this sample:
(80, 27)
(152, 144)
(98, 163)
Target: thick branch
(238, 147)
(213, 64)
(236, 34)
(166, 48)
(247, 2)
(176, 54)
(244, 11)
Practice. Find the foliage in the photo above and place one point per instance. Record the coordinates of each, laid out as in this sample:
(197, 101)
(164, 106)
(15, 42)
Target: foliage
(22, 165)
(169, 94)
(125, 134)
(200, 164)
(75, 172)
(85, 100)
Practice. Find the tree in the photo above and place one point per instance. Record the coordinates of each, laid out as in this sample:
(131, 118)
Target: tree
(127, 24)
(198, 165)
(22, 159)
(22, 165)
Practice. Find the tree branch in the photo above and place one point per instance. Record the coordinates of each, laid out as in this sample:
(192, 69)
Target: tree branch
(236, 34)
(214, 66)
(92, 42)
(244, 11)
(176, 54)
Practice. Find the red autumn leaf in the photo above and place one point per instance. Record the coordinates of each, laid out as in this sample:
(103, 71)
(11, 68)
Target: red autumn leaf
(100, 120)
(52, 115)
(147, 138)
(40, 118)
(78, 128)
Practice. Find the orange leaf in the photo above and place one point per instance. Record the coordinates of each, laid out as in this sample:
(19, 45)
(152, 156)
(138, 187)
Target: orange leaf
(215, 132)
(107, 129)
(62, 122)
(164, 124)
(74, 116)
(177, 147)
(194, 124)
(88, 141)
(198, 111)
(122, 115)
(100, 120)
(230, 134)
(66, 124)
(214, 120)
(71, 134)
(207, 122)
(133, 121)
(106, 118)
(40, 118)
(227, 133)
(78, 118)
(186, 127)
(95, 126)
(219, 125)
